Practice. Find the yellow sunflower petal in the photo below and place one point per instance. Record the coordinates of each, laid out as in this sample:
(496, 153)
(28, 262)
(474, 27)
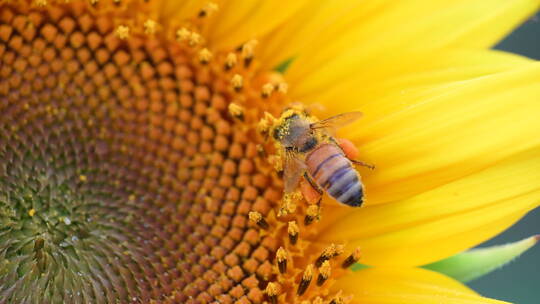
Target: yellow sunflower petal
(406, 285)
(239, 20)
(420, 141)
(443, 221)
(179, 9)
(351, 80)
(413, 25)
(310, 22)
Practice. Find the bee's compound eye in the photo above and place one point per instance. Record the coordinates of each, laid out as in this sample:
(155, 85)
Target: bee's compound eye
(293, 116)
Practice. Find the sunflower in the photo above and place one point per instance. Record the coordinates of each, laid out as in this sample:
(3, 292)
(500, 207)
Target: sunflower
(134, 170)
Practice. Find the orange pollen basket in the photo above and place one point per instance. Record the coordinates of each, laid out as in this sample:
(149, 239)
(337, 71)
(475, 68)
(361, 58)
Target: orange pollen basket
(148, 137)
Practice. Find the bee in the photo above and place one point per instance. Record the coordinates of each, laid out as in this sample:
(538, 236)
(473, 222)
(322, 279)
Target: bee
(309, 149)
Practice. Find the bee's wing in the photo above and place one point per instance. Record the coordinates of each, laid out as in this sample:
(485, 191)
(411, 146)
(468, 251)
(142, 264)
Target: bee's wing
(337, 121)
(292, 172)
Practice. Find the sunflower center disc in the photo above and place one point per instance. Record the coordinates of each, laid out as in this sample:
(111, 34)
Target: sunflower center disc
(122, 179)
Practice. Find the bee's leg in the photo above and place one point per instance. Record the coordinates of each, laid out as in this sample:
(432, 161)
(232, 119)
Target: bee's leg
(363, 164)
(310, 190)
(351, 152)
(313, 183)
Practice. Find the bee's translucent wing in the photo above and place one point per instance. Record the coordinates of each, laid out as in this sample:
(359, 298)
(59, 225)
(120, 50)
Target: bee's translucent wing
(293, 170)
(337, 121)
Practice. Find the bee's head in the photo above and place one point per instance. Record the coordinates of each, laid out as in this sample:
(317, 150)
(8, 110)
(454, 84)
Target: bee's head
(291, 128)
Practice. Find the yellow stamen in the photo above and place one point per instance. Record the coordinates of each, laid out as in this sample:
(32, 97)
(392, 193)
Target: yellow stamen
(230, 61)
(205, 56)
(312, 214)
(272, 291)
(41, 3)
(339, 299)
(247, 51)
(267, 90)
(293, 231)
(258, 219)
(318, 300)
(237, 82)
(306, 280)
(289, 204)
(329, 252)
(122, 32)
(324, 273)
(351, 259)
(282, 87)
(150, 27)
(208, 9)
(183, 34)
(236, 111)
(281, 257)
(194, 39)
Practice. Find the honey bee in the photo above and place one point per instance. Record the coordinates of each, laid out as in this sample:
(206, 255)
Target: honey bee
(309, 149)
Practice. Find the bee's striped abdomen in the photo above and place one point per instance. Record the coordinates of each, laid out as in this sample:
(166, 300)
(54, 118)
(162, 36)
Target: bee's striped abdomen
(332, 171)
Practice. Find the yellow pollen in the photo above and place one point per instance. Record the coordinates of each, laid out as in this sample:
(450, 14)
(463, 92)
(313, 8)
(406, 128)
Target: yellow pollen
(306, 280)
(258, 219)
(255, 216)
(194, 39)
(351, 259)
(31, 212)
(248, 48)
(312, 214)
(82, 178)
(281, 254)
(150, 27)
(281, 257)
(230, 61)
(183, 34)
(263, 126)
(236, 111)
(209, 9)
(122, 32)
(324, 273)
(237, 82)
(318, 300)
(329, 252)
(272, 290)
(267, 90)
(339, 299)
(325, 269)
(338, 250)
(308, 273)
(282, 88)
(205, 56)
(247, 52)
(288, 207)
(356, 253)
(292, 228)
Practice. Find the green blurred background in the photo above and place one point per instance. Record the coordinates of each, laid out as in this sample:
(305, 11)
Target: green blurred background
(518, 282)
